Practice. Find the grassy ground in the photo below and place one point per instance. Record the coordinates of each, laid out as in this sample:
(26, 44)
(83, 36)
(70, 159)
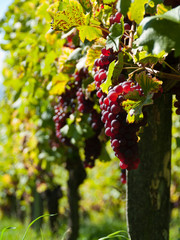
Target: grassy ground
(89, 230)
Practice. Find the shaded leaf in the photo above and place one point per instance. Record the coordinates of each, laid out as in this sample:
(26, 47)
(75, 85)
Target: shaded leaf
(155, 35)
(123, 6)
(113, 39)
(118, 66)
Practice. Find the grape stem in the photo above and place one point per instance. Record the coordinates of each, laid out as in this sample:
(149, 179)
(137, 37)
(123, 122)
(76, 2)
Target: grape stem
(163, 75)
(131, 35)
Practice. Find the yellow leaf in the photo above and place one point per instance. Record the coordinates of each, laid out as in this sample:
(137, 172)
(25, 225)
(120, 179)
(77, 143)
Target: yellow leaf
(91, 87)
(92, 54)
(63, 57)
(58, 84)
(72, 16)
(161, 9)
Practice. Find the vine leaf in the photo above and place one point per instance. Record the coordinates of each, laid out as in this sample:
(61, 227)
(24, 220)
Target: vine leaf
(134, 108)
(123, 6)
(72, 16)
(118, 66)
(155, 35)
(89, 32)
(58, 84)
(113, 39)
(86, 4)
(135, 102)
(147, 83)
(137, 10)
(108, 82)
(92, 54)
(145, 58)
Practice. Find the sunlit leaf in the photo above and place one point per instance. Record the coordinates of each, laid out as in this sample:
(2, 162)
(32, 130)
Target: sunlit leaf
(71, 16)
(90, 33)
(92, 54)
(59, 83)
(108, 82)
(113, 39)
(147, 83)
(137, 10)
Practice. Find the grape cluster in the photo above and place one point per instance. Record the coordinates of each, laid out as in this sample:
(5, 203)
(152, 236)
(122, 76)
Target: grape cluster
(74, 99)
(127, 27)
(177, 103)
(122, 135)
(84, 105)
(67, 103)
(92, 150)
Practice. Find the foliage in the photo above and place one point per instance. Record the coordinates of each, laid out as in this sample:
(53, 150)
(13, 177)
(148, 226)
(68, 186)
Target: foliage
(43, 63)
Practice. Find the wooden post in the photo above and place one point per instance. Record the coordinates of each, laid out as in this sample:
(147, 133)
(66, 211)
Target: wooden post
(148, 187)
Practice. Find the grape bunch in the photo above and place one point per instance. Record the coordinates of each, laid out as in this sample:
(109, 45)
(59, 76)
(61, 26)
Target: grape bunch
(122, 134)
(127, 27)
(73, 99)
(92, 150)
(177, 102)
(84, 105)
(67, 104)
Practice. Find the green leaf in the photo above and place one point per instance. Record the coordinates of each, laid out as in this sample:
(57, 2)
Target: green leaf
(147, 83)
(134, 108)
(145, 58)
(123, 6)
(108, 1)
(135, 102)
(72, 16)
(113, 39)
(42, 11)
(108, 82)
(118, 66)
(49, 59)
(160, 32)
(137, 10)
(86, 4)
(88, 32)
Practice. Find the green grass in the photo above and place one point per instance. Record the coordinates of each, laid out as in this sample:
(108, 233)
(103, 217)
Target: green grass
(90, 229)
